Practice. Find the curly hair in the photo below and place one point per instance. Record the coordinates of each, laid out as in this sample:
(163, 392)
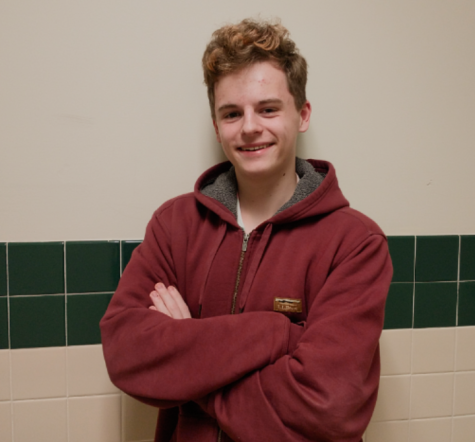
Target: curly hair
(234, 47)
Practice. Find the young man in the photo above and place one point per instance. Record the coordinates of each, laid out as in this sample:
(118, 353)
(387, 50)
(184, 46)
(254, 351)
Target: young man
(253, 308)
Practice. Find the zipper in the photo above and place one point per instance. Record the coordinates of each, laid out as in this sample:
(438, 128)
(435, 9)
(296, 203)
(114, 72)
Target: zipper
(238, 279)
(236, 288)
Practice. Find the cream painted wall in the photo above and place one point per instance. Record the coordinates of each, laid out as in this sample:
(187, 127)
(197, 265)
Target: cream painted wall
(103, 114)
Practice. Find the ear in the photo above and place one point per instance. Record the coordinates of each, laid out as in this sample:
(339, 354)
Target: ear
(215, 125)
(305, 113)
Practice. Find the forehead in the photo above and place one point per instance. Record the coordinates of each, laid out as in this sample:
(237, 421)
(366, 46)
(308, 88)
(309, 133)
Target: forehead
(257, 82)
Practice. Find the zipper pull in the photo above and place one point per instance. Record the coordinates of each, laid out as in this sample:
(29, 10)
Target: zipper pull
(244, 243)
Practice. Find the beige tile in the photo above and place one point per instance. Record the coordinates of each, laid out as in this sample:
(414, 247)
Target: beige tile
(432, 395)
(465, 351)
(86, 372)
(433, 350)
(464, 429)
(4, 375)
(464, 394)
(95, 419)
(396, 431)
(396, 352)
(393, 399)
(39, 373)
(5, 422)
(40, 421)
(430, 430)
(139, 420)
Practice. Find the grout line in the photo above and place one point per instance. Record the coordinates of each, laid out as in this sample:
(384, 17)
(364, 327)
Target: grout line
(419, 419)
(458, 282)
(65, 296)
(412, 335)
(68, 429)
(456, 338)
(41, 295)
(56, 398)
(414, 282)
(120, 258)
(426, 374)
(61, 294)
(122, 417)
(98, 395)
(9, 342)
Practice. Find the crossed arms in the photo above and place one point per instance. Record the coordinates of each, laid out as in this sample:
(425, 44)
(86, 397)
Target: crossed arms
(259, 375)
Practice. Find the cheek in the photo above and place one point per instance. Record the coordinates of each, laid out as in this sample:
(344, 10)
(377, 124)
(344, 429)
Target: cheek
(227, 134)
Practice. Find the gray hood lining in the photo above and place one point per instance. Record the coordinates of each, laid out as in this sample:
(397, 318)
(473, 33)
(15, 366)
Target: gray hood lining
(224, 188)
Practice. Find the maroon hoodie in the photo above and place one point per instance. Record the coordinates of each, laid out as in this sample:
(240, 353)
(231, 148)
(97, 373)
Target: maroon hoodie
(247, 367)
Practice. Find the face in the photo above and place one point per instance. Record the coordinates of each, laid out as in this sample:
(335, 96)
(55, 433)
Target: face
(257, 122)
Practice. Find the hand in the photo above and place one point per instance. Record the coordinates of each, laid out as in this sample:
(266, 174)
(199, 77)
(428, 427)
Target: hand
(169, 302)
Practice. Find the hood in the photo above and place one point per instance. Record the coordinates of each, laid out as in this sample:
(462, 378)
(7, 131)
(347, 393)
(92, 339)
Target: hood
(317, 193)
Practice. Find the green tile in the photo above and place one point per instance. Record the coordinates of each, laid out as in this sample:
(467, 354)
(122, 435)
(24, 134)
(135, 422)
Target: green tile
(92, 266)
(398, 313)
(36, 268)
(3, 269)
(467, 258)
(435, 304)
(437, 258)
(466, 310)
(84, 314)
(37, 321)
(401, 249)
(3, 323)
(127, 248)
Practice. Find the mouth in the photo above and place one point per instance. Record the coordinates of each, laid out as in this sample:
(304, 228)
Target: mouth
(254, 148)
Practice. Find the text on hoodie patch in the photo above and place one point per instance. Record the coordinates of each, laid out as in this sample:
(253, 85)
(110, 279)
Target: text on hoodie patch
(288, 305)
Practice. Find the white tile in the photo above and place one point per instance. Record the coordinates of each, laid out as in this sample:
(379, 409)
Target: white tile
(430, 430)
(464, 394)
(39, 373)
(140, 420)
(5, 422)
(396, 352)
(465, 351)
(87, 373)
(393, 399)
(432, 395)
(433, 350)
(94, 419)
(40, 421)
(395, 431)
(4, 375)
(464, 429)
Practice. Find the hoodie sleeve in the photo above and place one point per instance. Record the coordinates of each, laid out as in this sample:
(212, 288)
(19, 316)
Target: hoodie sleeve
(166, 362)
(326, 389)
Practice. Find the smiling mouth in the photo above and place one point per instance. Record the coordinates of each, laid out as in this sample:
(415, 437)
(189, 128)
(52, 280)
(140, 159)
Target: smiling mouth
(251, 149)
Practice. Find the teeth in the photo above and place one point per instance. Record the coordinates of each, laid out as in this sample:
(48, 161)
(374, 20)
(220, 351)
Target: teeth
(255, 148)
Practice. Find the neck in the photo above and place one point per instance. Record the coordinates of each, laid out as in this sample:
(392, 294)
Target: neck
(261, 197)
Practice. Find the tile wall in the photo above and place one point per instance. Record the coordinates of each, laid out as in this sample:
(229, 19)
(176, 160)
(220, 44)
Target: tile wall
(54, 387)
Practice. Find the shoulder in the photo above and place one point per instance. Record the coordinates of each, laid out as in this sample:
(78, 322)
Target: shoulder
(174, 212)
(346, 232)
(360, 222)
(181, 202)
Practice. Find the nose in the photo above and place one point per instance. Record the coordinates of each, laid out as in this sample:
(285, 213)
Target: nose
(250, 123)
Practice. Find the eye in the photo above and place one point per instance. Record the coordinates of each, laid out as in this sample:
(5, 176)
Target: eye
(231, 115)
(269, 110)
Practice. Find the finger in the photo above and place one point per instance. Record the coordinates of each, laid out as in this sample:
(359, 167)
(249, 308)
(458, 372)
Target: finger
(169, 301)
(185, 311)
(152, 307)
(158, 304)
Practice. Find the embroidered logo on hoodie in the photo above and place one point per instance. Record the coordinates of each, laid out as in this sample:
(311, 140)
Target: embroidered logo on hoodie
(288, 305)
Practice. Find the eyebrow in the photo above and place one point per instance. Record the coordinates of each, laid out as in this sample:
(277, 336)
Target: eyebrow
(266, 101)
